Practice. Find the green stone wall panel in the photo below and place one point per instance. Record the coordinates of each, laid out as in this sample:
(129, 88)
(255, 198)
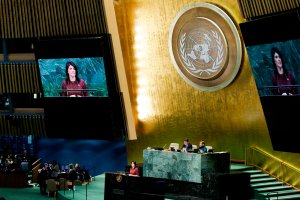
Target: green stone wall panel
(191, 167)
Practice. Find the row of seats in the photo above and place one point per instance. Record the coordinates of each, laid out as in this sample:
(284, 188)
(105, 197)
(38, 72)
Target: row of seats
(175, 146)
(61, 184)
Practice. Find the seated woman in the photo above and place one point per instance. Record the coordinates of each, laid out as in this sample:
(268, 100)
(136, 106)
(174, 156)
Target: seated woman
(202, 148)
(134, 171)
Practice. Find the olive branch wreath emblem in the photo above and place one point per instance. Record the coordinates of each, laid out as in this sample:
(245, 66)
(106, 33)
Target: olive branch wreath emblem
(217, 62)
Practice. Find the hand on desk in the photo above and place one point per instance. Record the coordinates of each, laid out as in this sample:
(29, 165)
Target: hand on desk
(132, 175)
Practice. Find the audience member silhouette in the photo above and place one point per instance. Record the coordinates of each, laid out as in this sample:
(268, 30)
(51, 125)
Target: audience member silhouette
(72, 175)
(42, 178)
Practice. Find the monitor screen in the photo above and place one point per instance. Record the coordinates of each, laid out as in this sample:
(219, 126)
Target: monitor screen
(275, 67)
(89, 70)
(273, 48)
(79, 81)
(76, 66)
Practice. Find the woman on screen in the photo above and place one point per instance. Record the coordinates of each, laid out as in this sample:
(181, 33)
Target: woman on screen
(73, 86)
(281, 77)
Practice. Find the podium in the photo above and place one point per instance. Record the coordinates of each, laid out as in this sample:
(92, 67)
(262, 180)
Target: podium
(177, 175)
(120, 186)
(191, 167)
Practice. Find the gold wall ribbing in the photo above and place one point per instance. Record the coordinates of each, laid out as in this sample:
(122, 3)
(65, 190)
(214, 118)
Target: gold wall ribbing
(44, 18)
(19, 78)
(40, 18)
(256, 8)
(17, 125)
(2, 80)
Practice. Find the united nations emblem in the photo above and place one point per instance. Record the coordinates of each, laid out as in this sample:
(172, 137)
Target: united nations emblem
(198, 43)
(119, 178)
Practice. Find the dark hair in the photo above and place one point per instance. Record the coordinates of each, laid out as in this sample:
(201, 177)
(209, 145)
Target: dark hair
(186, 139)
(68, 64)
(71, 166)
(134, 163)
(273, 51)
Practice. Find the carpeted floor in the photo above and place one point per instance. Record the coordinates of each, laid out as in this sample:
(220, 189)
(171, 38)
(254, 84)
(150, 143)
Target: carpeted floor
(94, 190)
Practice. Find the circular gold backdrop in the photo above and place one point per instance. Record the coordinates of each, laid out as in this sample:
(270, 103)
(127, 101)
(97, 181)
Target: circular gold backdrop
(205, 46)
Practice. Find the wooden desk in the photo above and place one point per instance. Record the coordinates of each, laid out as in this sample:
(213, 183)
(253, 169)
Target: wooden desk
(13, 179)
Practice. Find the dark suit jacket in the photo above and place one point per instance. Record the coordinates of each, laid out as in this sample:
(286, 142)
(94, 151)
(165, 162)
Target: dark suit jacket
(188, 147)
(72, 175)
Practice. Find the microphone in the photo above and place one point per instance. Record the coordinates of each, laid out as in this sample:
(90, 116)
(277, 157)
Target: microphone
(164, 146)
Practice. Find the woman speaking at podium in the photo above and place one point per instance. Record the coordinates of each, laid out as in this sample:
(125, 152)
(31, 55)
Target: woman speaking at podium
(281, 76)
(134, 171)
(73, 86)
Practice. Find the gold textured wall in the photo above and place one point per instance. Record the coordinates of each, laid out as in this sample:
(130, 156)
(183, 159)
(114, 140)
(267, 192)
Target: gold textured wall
(166, 109)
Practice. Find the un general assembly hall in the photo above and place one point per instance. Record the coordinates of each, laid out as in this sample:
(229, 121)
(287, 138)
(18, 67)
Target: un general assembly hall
(149, 99)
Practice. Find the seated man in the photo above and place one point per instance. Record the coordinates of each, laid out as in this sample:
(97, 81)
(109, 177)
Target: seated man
(86, 176)
(82, 174)
(72, 175)
(187, 146)
(79, 172)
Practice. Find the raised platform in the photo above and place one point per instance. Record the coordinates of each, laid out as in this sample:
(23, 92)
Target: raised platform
(234, 185)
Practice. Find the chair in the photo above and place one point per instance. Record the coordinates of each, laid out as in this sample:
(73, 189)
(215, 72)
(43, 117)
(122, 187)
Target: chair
(195, 146)
(51, 187)
(210, 149)
(63, 185)
(24, 166)
(175, 146)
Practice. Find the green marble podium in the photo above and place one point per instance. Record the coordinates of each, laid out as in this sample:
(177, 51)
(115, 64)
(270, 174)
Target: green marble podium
(191, 167)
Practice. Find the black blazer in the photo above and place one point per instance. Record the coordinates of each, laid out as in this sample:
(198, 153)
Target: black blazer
(188, 147)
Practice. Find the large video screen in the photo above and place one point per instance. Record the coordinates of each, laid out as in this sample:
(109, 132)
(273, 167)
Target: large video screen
(275, 67)
(273, 48)
(81, 95)
(76, 66)
(73, 77)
